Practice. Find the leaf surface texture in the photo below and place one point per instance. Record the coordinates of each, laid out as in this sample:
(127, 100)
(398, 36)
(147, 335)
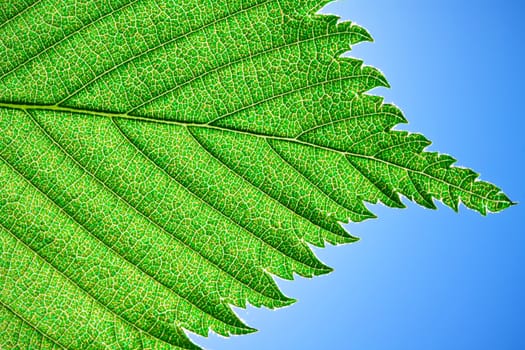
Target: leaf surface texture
(161, 160)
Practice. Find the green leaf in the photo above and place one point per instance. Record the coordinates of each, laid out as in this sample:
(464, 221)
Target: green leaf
(161, 160)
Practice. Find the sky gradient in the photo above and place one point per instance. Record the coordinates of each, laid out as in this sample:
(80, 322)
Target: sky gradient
(419, 278)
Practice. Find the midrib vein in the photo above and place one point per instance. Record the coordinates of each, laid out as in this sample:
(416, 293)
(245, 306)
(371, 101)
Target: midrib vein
(108, 114)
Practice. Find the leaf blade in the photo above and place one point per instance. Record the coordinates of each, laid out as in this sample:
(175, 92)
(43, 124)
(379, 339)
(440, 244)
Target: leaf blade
(199, 152)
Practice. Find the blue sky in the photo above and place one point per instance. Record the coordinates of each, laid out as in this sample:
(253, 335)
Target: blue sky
(423, 279)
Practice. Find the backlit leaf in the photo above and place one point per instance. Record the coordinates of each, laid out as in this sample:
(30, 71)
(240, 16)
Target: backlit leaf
(161, 160)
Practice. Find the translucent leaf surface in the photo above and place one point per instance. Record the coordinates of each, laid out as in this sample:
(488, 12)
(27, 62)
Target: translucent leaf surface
(161, 160)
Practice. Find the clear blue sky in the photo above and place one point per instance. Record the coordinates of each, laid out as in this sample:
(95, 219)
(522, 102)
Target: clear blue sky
(423, 279)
